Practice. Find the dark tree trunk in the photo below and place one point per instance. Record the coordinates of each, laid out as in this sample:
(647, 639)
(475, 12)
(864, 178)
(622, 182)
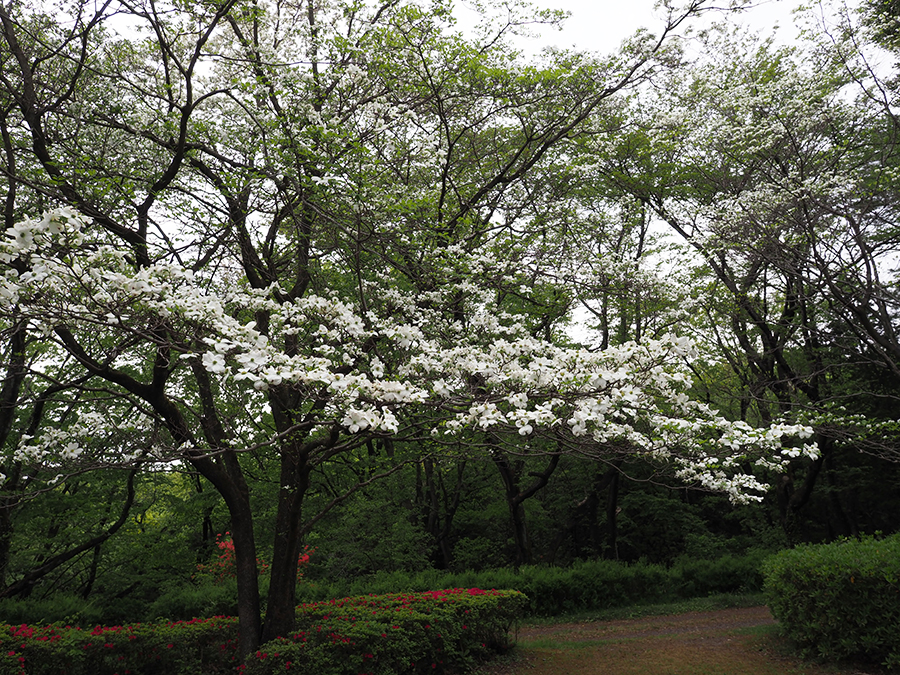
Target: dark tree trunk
(247, 578)
(9, 398)
(515, 497)
(451, 505)
(792, 498)
(612, 512)
(431, 497)
(6, 530)
(586, 511)
(92, 576)
(840, 520)
(520, 533)
(282, 599)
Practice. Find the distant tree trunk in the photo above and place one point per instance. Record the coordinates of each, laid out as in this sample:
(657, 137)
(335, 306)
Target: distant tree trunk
(792, 498)
(840, 521)
(8, 502)
(6, 531)
(436, 507)
(587, 511)
(515, 497)
(612, 511)
(207, 531)
(451, 505)
(569, 528)
(429, 501)
(92, 576)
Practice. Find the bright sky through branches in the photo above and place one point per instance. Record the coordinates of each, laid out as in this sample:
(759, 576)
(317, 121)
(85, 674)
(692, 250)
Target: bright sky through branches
(601, 25)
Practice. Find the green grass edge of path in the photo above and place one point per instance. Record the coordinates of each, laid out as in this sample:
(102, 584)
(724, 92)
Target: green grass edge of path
(707, 604)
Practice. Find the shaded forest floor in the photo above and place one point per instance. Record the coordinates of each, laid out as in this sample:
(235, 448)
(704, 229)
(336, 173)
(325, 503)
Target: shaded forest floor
(737, 641)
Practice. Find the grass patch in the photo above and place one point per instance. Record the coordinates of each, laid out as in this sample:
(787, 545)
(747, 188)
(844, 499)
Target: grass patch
(708, 604)
(555, 644)
(770, 631)
(514, 661)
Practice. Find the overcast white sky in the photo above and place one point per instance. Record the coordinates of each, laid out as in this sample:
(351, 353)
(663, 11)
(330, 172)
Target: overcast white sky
(601, 25)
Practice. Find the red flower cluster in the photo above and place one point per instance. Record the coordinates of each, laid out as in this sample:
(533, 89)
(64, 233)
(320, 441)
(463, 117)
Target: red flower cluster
(224, 568)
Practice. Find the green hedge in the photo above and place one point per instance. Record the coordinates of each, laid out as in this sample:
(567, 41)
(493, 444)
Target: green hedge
(839, 600)
(208, 646)
(585, 586)
(552, 591)
(396, 634)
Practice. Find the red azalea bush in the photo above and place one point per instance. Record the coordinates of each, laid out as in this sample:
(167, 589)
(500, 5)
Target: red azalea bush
(401, 633)
(177, 648)
(429, 632)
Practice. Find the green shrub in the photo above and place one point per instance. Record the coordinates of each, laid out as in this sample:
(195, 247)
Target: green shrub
(839, 600)
(58, 608)
(430, 632)
(187, 601)
(692, 577)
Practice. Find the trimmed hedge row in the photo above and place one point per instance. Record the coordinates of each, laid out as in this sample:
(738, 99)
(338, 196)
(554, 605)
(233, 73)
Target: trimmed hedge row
(399, 633)
(839, 600)
(587, 585)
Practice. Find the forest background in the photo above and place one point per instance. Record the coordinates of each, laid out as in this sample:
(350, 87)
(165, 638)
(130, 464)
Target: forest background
(307, 272)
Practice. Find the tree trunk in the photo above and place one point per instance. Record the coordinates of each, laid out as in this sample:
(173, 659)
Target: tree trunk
(92, 576)
(520, 533)
(429, 497)
(838, 516)
(450, 508)
(282, 599)
(792, 499)
(612, 512)
(515, 497)
(247, 577)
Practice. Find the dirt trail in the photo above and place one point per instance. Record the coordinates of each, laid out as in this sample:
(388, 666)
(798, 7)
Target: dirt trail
(721, 642)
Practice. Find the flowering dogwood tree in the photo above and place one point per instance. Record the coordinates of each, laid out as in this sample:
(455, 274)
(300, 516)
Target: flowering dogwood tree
(79, 292)
(289, 233)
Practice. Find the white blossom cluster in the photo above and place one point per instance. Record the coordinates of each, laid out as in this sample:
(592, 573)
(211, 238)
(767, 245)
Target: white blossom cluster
(95, 436)
(371, 369)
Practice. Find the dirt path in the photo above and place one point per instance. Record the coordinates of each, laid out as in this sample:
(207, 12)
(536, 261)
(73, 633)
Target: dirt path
(722, 642)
